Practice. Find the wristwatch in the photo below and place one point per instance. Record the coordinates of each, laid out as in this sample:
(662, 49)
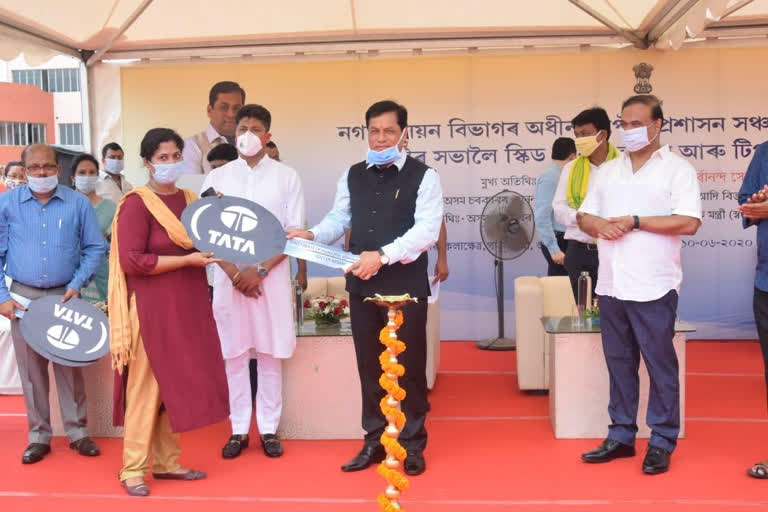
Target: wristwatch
(262, 270)
(383, 257)
(637, 222)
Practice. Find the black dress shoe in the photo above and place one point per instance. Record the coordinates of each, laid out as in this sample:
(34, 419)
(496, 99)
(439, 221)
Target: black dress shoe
(656, 460)
(35, 453)
(608, 451)
(370, 454)
(414, 463)
(271, 445)
(234, 446)
(86, 447)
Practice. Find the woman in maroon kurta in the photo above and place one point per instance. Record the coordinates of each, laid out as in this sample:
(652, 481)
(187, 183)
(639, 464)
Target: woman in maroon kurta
(175, 379)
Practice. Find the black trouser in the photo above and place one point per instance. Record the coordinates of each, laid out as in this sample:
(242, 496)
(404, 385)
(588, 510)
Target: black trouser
(580, 257)
(553, 269)
(760, 308)
(367, 321)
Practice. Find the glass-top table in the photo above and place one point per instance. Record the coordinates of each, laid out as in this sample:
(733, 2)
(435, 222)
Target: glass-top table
(570, 324)
(309, 328)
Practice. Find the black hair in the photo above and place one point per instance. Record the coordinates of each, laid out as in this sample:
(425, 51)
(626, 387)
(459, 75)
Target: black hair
(595, 116)
(271, 144)
(111, 146)
(649, 100)
(382, 107)
(224, 88)
(255, 112)
(13, 163)
(83, 157)
(562, 148)
(157, 136)
(225, 151)
(26, 151)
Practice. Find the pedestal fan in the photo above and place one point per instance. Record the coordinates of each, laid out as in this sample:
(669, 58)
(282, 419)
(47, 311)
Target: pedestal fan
(506, 227)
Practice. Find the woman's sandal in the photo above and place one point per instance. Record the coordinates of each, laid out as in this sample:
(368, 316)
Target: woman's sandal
(759, 470)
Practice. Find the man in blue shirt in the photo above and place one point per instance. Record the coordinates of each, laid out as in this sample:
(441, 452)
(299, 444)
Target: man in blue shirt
(551, 232)
(753, 198)
(50, 244)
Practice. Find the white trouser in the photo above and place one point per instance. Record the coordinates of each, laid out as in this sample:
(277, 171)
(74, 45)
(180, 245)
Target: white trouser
(269, 394)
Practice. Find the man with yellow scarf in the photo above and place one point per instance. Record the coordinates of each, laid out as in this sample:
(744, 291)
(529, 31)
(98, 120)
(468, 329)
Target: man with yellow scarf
(592, 130)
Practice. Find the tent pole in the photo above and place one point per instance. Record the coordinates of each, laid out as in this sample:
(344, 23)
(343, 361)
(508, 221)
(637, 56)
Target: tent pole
(626, 34)
(125, 26)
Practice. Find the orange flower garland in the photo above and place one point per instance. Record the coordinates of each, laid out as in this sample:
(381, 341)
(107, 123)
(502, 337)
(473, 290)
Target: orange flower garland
(390, 406)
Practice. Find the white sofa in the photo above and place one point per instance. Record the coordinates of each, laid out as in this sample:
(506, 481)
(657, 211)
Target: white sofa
(334, 286)
(536, 297)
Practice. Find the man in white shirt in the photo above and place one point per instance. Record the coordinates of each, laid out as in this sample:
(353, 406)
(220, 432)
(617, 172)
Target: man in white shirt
(638, 207)
(112, 184)
(252, 304)
(592, 129)
(394, 206)
(224, 100)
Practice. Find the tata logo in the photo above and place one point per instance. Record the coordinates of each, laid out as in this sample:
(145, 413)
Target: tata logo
(73, 333)
(234, 229)
(63, 337)
(239, 218)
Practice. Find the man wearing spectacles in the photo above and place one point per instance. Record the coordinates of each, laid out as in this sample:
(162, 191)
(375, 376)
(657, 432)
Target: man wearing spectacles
(50, 244)
(224, 100)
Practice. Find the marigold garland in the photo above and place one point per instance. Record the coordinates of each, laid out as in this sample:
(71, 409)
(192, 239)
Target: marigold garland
(390, 406)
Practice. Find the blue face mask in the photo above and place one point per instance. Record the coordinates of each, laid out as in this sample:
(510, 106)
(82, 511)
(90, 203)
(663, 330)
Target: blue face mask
(385, 156)
(42, 185)
(165, 174)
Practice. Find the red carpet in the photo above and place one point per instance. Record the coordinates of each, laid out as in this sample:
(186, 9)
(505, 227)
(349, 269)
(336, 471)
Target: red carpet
(491, 449)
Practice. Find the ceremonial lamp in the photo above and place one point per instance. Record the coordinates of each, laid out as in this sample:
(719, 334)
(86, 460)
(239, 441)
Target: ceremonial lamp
(390, 404)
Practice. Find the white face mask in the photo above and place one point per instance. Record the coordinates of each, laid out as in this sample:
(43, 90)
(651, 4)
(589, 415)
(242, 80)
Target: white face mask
(635, 139)
(114, 166)
(165, 174)
(12, 184)
(86, 184)
(249, 144)
(43, 185)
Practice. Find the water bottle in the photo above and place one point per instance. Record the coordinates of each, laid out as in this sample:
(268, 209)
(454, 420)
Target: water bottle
(584, 299)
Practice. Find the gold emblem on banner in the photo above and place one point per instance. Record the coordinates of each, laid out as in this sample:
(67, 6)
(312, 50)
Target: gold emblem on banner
(643, 74)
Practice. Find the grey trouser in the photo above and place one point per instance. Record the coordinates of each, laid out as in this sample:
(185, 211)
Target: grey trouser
(33, 371)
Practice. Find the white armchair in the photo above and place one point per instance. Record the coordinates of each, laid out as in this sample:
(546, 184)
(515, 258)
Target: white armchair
(536, 297)
(334, 286)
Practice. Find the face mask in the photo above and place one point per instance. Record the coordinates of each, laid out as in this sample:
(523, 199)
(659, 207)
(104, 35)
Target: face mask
(12, 184)
(587, 145)
(86, 184)
(43, 185)
(114, 166)
(165, 174)
(385, 156)
(248, 144)
(636, 138)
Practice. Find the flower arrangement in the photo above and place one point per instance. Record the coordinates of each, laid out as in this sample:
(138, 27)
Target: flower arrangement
(326, 310)
(593, 312)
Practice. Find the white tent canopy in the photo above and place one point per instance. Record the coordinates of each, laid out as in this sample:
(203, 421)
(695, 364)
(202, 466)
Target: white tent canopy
(172, 29)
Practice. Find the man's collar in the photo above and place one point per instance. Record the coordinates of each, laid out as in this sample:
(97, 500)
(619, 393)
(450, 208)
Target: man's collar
(663, 153)
(26, 193)
(211, 134)
(399, 163)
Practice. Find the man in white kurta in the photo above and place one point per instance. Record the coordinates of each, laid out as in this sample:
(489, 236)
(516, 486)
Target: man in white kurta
(256, 326)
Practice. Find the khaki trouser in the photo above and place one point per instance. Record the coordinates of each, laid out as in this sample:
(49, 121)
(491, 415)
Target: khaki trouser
(147, 427)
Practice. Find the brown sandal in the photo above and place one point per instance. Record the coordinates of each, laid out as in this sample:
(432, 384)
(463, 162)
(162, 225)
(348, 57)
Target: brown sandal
(759, 470)
(188, 475)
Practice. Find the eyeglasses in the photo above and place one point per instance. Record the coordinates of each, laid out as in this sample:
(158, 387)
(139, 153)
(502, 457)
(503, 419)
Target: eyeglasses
(46, 168)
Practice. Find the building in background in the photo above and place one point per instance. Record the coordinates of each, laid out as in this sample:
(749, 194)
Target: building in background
(40, 104)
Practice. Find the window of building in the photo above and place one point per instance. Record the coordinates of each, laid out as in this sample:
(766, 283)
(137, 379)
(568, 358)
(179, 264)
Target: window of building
(50, 80)
(22, 134)
(71, 134)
